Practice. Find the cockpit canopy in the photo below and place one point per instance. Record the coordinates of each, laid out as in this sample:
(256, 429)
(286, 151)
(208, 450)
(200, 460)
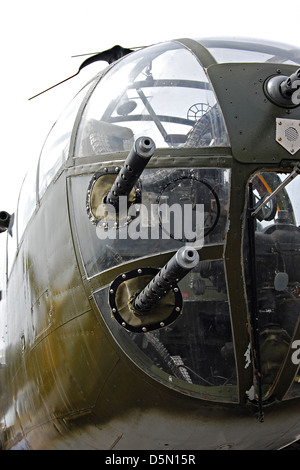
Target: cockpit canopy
(161, 92)
(164, 92)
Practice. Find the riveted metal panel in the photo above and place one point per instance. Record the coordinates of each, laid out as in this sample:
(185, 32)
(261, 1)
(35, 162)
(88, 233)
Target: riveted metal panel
(249, 115)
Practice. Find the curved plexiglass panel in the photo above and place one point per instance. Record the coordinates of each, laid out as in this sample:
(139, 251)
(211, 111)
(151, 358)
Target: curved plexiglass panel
(195, 354)
(170, 207)
(161, 92)
(194, 351)
(56, 147)
(227, 50)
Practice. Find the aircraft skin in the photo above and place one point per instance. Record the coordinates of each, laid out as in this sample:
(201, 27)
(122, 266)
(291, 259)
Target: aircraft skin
(70, 379)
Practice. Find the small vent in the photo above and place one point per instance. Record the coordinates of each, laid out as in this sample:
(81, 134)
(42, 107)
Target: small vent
(291, 134)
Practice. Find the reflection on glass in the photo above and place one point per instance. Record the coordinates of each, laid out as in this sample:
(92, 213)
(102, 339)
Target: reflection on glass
(277, 249)
(56, 147)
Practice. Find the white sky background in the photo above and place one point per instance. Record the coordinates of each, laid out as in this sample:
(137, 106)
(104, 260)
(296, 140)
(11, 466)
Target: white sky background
(38, 38)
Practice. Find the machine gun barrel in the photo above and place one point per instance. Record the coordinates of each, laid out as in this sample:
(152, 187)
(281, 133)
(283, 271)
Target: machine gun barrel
(135, 163)
(287, 86)
(179, 265)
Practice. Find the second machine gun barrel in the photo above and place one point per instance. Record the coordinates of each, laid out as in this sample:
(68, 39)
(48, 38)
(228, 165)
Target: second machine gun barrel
(184, 260)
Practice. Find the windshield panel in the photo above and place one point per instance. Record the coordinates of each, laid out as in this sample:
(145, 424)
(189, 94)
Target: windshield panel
(161, 92)
(56, 147)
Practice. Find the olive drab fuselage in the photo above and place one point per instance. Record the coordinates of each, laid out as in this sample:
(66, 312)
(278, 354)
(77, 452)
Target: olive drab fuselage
(111, 340)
